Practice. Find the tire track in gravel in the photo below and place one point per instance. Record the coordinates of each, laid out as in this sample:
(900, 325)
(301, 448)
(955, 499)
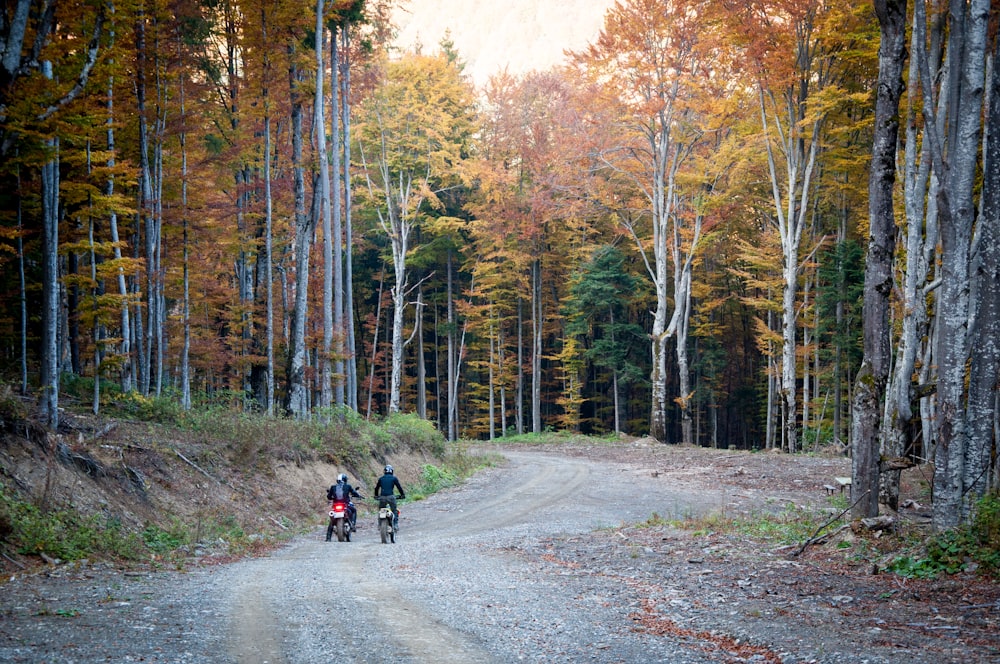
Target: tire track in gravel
(342, 598)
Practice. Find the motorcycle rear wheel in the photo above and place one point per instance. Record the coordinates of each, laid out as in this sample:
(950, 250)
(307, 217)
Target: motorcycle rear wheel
(340, 531)
(383, 530)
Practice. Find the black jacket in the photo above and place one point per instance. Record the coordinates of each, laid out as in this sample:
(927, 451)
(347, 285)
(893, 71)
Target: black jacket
(386, 484)
(350, 492)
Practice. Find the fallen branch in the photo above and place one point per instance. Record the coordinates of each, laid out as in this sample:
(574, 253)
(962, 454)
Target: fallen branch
(278, 523)
(12, 560)
(105, 430)
(816, 538)
(202, 470)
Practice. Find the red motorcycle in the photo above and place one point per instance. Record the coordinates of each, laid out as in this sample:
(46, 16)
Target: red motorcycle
(339, 522)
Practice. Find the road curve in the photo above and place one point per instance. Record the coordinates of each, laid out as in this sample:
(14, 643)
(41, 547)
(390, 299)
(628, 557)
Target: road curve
(371, 602)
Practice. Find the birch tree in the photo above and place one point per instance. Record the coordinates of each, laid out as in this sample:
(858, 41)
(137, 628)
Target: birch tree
(792, 117)
(657, 55)
(413, 138)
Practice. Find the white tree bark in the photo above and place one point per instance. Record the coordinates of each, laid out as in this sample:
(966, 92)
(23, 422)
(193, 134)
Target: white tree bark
(983, 379)
(319, 131)
(954, 153)
(305, 228)
(49, 405)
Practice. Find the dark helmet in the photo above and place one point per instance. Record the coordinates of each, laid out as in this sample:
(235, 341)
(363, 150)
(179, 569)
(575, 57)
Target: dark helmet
(388, 470)
(342, 478)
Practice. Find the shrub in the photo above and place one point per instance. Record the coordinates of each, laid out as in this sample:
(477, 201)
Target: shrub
(951, 552)
(410, 431)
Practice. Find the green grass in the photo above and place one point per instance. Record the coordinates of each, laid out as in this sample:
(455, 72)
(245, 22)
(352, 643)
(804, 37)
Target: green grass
(791, 525)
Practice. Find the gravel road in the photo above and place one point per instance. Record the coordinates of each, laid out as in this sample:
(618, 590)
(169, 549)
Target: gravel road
(452, 589)
(523, 563)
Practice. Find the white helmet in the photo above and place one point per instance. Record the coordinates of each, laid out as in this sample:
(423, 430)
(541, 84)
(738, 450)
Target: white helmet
(388, 470)
(342, 478)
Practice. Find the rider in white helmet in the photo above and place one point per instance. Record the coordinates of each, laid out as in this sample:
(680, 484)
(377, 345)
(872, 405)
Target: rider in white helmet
(348, 492)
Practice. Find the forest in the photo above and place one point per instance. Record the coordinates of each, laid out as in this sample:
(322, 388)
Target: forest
(764, 224)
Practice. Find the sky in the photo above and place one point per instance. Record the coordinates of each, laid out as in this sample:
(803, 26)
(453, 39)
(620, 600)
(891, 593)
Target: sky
(522, 35)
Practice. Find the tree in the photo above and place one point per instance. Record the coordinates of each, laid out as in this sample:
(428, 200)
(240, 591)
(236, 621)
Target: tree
(870, 384)
(661, 58)
(953, 132)
(415, 133)
(598, 311)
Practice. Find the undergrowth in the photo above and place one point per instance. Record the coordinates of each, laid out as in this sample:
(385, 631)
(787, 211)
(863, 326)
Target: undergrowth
(789, 526)
(216, 435)
(976, 544)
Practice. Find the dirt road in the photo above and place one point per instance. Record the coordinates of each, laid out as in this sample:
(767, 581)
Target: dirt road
(546, 558)
(430, 596)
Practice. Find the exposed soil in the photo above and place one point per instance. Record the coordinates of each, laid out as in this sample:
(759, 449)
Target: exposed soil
(555, 556)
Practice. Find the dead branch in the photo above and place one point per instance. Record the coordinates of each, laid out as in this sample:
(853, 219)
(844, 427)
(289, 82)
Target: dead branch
(816, 539)
(12, 560)
(202, 470)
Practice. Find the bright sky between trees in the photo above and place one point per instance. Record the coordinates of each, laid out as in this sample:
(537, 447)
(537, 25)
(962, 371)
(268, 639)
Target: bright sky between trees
(522, 35)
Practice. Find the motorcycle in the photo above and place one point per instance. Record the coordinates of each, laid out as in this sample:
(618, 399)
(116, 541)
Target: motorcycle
(339, 522)
(386, 531)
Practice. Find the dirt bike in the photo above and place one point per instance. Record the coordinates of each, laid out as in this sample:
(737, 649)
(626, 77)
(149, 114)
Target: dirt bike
(386, 519)
(339, 522)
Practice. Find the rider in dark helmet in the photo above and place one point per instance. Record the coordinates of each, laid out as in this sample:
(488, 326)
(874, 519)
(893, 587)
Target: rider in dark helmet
(349, 491)
(384, 491)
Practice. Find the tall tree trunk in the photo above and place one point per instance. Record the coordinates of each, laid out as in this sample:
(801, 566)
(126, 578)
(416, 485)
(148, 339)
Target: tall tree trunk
(519, 413)
(338, 231)
(351, 342)
(954, 153)
(145, 203)
(49, 405)
(378, 319)
(23, 285)
(492, 389)
(109, 190)
(185, 254)
(305, 228)
(536, 352)
(319, 131)
(268, 224)
(871, 380)
(983, 380)
(919, 238)
(452, 351)
(418, 331)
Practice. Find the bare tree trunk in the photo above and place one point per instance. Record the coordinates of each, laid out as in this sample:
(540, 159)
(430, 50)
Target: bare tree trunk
(94, 293)
(338, 231)
(418, 331)
(378, 319)
(185, 258)
(871, 380)
(351, 342)
(519, 413)
(24, 291)
(145, 204)
(983, 382)
(319, 131)
(49, 405)
(492, 388)
(919, 238)
(109, 190)
(452, 354)
(964, 77)
(268, 258)
(536, 353)
(305, 228)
